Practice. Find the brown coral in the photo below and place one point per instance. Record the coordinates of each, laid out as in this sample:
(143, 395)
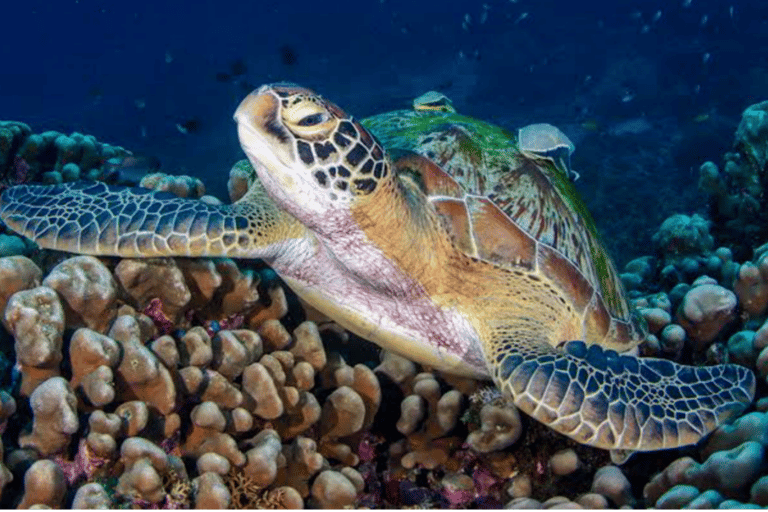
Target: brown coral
(17, 273)
(36, 319)
(159, 278)
(44, 485)
(88, 289)
(140, 374)
(55, 417)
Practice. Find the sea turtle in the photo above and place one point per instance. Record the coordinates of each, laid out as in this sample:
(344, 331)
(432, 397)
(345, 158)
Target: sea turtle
(462, 253)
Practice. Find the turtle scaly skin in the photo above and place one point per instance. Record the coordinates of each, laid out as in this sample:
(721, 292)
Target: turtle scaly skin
(464, 254)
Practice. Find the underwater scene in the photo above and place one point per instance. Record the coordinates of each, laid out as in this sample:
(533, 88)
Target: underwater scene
(384, 254)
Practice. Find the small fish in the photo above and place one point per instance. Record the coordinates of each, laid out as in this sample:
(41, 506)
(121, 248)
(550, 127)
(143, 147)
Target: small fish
(706, 57)
(521, 18)
(129, 169)
(140, 103)
(701, 118)
(656, 17)
(591, 125)
(186, 126)
(223, 77)
(704, 20)
(238, 68)
(687, 3)
(288, 55)
(168, 57)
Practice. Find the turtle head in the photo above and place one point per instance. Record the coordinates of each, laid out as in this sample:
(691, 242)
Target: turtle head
(310, 155)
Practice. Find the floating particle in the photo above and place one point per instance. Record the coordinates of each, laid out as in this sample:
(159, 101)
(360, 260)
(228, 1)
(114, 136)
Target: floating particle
(143, 131)
(140, 103)
(168, 57)
(466, 22)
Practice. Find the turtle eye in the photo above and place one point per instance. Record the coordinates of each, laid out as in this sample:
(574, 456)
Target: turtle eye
(309, 119)
(313, 119)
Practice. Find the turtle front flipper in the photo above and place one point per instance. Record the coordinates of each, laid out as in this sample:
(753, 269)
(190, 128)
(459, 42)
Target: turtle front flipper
(98, 219)
(613, 401)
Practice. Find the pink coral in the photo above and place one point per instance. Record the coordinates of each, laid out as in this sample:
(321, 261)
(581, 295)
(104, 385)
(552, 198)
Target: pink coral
(85, 463)
(154, 310)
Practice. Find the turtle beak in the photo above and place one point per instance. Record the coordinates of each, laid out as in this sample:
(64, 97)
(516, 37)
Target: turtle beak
(262, 135)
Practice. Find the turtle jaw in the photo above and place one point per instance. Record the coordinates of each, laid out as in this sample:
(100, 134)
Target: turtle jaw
(269, 147)
(261, 135)
(264, 160)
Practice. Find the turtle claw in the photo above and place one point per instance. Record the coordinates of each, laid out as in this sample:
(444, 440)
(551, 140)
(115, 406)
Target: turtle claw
(618, 402)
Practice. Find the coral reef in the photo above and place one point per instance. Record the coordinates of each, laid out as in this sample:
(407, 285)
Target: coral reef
(737, 191)
(179, 383)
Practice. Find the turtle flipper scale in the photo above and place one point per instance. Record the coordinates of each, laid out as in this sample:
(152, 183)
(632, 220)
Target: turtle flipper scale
(614, 401)
(99, 219)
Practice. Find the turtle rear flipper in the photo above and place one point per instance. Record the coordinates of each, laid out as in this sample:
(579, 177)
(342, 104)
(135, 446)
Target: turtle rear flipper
(98, 219)
(613, 401)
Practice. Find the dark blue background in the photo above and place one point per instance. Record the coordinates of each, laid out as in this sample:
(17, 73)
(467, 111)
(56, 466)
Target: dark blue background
(82, 65)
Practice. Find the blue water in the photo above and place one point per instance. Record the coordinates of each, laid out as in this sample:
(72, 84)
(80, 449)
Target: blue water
(129, 72)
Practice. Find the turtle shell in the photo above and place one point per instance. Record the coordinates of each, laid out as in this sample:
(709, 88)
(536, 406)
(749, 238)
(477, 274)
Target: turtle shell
(534, 194)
